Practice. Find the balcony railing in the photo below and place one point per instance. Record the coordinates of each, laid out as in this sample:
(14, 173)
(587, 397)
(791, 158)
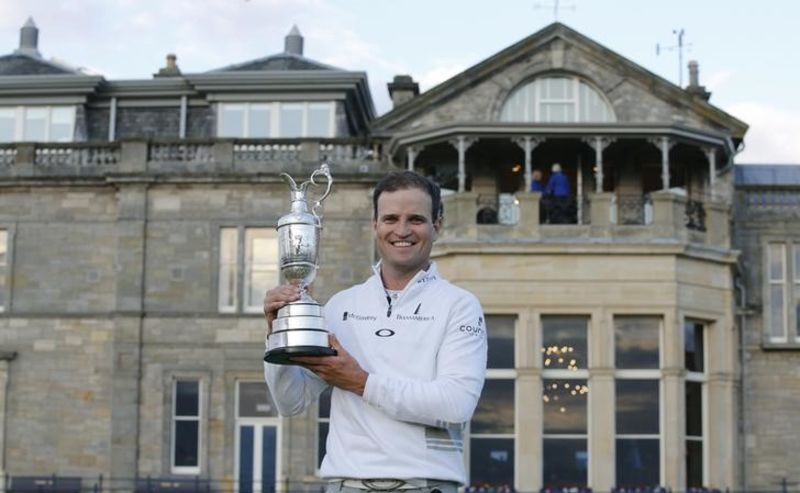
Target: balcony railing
(182, 156)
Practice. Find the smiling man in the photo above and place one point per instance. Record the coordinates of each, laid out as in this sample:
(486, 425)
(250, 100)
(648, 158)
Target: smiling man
(410, 363)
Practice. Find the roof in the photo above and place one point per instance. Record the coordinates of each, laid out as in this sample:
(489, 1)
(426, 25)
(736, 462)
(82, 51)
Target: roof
(523, 48)
(279, 62)
(21, 64)
(771, 175)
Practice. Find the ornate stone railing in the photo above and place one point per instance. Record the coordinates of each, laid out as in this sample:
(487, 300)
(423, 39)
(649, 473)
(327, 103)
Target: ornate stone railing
(262, 151)
(80, 156)
(181, 152)
(8, 156)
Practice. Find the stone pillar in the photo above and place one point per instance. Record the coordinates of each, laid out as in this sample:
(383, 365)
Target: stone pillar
(673, 403)
(411, 154)
(133, 156)
(711, 155)
(5, 359)
(460, 215)
(601, 417)
(718, 224)
(720, 420)
(599, 144)
(528, 225)
(462, 143)
(528, 144)
(664, 144)
(25, 158)
(669, 210)
(125, 384)
(224, 160)
(182, 123)
(112, 120)
(600, 209)
(529, 430)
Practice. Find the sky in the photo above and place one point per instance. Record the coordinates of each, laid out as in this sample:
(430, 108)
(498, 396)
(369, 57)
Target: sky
(747, 49)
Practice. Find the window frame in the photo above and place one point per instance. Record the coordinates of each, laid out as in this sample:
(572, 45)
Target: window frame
(536, 88)
(241, 271)
(199, 418)
(790, 290)
(20, 113)
(702, 379)
(652, 374)
(6, 234)
(275, 111)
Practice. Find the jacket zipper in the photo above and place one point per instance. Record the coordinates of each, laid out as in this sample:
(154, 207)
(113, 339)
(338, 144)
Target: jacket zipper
(389, 310)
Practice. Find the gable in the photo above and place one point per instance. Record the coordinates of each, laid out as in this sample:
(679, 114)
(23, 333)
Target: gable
(636, 95)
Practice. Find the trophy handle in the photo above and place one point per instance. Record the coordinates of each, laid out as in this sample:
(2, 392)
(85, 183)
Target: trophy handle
(325, 171)
(292, 184)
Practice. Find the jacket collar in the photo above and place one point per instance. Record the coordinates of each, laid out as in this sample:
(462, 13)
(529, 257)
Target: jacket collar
(419, 278)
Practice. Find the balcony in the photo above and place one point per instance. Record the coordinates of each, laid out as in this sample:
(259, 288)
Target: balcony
(183, 157)
(657, 217)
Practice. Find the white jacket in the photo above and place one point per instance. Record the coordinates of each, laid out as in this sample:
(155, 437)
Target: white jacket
(425, 352)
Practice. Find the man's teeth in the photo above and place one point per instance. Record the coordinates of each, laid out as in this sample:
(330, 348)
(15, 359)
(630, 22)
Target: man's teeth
(402, 243)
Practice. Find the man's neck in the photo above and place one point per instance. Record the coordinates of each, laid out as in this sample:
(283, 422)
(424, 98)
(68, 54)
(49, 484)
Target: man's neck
(397, 281)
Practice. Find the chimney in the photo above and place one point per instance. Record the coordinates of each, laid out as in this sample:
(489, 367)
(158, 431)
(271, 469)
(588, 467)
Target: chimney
(29, 40)
(694, 86)
(171, 69)
(402, 89)
(293, 43)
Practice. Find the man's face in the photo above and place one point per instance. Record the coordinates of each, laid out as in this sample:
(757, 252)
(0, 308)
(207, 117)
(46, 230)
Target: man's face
(405, 230)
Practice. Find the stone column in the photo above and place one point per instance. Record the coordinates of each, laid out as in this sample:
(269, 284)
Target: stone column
(664, 144)
(528, 226)
(462, 143)
(599, 144)
(112, 120)
(601, 417)
(411, 155)
(528, 144)
(182, 123)
(673, 402)
(711, 155)
(460, 215)
(5, 358)
(600, 210)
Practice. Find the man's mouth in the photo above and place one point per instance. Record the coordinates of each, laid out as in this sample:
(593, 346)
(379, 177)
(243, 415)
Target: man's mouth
(402, 243)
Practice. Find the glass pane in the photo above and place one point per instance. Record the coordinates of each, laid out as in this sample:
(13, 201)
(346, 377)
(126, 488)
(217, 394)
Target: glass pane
(260, 120)
(319, 120)
(694, 409)
(3, 246)
(61, 124)
(491, 463)
(776, 262)
(564, 343)
(325, 403)
(258, 283)
(637, 407)
(262, 267)
(564, 406)
(187, 398)
(636, 342)
(291, 120)
(322, 439)
(693, 349)
(246, 449)
(255, 400)
(500, 329)
(495, 411)
(694, 464)
(797, 264)
(797, 310)
(227, 268)
(186, 443)
(776, 312)
(638, 463)
(35, 124)
(564, 463)
(269, 454)
(232, 121)
(7, 124)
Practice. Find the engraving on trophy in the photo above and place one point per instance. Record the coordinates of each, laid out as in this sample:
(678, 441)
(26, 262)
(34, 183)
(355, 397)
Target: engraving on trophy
(299, 329)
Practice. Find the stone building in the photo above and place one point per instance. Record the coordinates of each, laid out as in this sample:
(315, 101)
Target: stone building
(137, 220)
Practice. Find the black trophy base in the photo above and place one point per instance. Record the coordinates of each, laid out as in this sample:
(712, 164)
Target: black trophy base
(281, 355)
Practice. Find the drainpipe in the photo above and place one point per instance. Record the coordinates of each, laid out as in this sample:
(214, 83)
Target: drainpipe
(741, 309)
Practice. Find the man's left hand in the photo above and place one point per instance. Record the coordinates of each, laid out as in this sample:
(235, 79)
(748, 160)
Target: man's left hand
(341, 371)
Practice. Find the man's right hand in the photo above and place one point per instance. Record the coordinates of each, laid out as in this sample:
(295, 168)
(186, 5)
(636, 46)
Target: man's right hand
(276, 298)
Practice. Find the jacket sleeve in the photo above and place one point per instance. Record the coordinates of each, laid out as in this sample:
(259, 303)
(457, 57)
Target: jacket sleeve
(293, 388)
(451, 397)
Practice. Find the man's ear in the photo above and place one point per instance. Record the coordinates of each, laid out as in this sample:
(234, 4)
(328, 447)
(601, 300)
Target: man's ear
(438, 225)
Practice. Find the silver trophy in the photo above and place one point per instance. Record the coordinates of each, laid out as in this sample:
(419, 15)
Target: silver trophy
(299, 329)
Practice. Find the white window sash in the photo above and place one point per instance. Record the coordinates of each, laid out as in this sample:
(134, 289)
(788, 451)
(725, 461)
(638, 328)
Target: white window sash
(782, 284)
(175, 419)
(229, 240)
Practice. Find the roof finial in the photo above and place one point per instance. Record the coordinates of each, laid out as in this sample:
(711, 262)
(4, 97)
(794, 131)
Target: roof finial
(29, 39)
(294, 42)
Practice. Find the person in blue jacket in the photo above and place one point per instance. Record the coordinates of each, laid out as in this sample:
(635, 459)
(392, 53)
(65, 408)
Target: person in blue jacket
(536, 181)
(559, 196)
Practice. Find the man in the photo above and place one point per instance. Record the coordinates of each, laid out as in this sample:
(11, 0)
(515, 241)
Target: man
(411, 358)
(559, 196)
(536, 181)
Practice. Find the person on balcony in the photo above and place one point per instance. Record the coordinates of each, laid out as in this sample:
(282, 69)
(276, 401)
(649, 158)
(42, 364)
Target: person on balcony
(559, 196)
(536, 181)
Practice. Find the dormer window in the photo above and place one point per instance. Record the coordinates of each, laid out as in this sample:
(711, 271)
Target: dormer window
(276, 120)
(37, 123)
(562, 99)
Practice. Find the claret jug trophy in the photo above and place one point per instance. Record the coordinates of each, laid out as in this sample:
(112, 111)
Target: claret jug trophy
(299, 328)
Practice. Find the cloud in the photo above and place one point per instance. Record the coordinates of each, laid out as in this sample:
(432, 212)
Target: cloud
(773, 134)
(442, 71)
(716, 80)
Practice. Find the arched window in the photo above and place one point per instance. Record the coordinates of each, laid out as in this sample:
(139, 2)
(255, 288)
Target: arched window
(562, 99)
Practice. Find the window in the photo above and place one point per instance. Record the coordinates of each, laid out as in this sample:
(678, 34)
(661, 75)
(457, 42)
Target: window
(783, 292)
(694, 351)
(492, 432)
(186, 431)
(248, 264)
(274, 120)
(3, 269)
(37, 123)
(638, 397)
(565, 396)
(557, 100)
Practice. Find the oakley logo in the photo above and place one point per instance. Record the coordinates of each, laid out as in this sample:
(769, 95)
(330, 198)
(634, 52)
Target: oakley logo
(384, 333)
